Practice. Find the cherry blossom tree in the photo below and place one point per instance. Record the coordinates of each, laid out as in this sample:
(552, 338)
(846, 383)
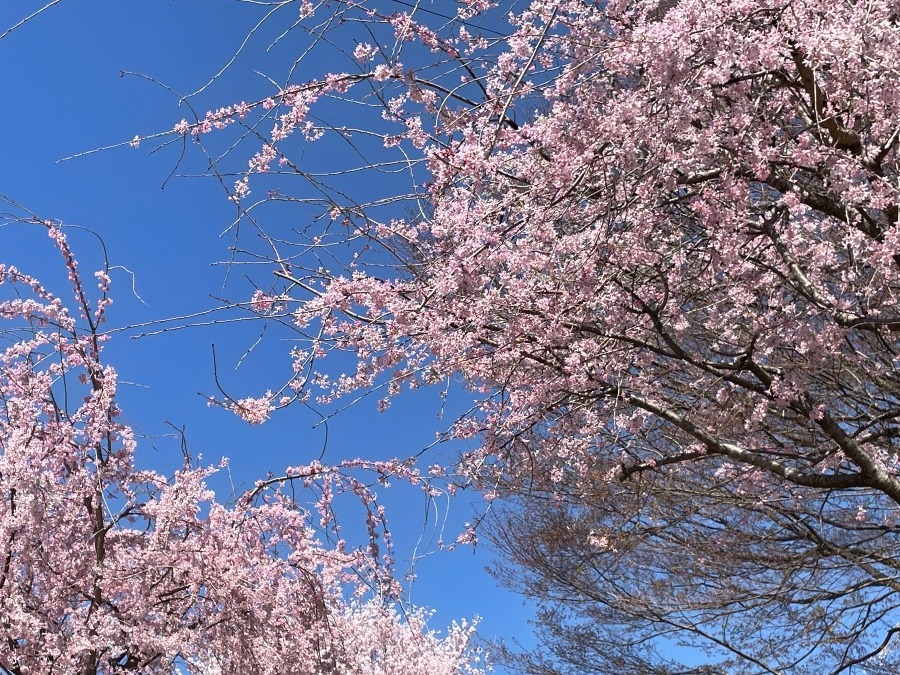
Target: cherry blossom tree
(109, 568)
(660, 241)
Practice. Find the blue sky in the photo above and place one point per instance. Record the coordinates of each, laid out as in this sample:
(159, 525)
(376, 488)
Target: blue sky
(64, 94)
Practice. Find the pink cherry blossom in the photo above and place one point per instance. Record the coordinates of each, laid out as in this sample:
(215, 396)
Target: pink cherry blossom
(107, 568)
(657, 242)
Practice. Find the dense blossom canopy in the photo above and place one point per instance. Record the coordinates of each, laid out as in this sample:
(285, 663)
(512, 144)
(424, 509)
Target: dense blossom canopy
(661, 239)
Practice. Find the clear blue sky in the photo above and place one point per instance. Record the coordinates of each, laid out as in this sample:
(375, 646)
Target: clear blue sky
(62, 95)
